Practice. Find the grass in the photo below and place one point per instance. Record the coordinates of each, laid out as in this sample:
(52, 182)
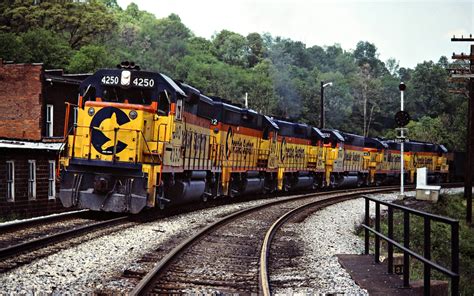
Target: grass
(453, 206)
(9, 217)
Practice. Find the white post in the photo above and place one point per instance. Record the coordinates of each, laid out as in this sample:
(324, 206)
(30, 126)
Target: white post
(402, 146)
(246, 101)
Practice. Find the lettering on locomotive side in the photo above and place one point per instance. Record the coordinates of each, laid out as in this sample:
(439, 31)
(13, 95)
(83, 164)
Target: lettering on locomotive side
(352, 156)
(321, 160)
(178, 133)
(420, 161)
(242, 146)
(175, 154)
(394, 157)
(294, 152)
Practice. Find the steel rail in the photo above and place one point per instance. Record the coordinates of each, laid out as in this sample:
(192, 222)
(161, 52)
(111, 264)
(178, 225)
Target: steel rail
(43, 241)
(146, 283)
(6, 226)
(264, 277)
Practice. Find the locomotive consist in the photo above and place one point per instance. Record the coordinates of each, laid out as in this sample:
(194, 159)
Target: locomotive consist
(143, 140)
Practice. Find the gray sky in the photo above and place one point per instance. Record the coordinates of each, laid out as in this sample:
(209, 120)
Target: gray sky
(410, 31)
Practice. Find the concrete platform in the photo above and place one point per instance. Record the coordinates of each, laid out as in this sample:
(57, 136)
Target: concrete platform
(373, 277)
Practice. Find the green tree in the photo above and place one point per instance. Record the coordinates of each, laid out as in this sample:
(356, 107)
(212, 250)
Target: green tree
(256, 48)
(392, 66)
(366, 53)
(231, 48)
(89, 59)
(427, 91)
(46, 47)
(78, 22)
(339, 102)
(261, 90)
(13, 49)
(427, 129)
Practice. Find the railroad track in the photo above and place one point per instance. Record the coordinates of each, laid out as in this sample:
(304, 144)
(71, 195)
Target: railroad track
(16, 225)
(230, 255)
(18, 249)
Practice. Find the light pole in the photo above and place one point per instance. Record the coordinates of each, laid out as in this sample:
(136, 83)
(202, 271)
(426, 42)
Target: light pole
(323, 85)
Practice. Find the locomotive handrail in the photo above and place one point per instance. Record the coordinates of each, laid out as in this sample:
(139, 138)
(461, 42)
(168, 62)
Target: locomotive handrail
(73, 130)
(147, 147)
(407, 252)
(158, 133)
(65, 140)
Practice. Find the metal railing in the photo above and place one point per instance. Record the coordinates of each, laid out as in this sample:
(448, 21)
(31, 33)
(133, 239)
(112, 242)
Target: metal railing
(139, 134)
(453, 273)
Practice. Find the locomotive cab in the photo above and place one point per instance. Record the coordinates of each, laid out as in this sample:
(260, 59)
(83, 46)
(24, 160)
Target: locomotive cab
(334, 145)
(111, 157)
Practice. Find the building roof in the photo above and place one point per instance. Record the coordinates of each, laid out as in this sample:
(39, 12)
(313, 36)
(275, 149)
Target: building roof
(56, 76)
(15, 144)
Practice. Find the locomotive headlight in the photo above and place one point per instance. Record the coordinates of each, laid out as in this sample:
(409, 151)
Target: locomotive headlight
(91, 111)
(125, 79)
(133, 114)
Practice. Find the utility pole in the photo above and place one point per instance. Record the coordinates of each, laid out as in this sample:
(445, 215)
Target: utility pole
(323, 86)
(469, 75)
(321, 117)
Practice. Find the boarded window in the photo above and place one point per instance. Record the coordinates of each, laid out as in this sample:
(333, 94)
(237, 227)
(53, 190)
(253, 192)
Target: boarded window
(31, 179)
(52, 180)
(10, 180)
(49, 120)
(76, 114)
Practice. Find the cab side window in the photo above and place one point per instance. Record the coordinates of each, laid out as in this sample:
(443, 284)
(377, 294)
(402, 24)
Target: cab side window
(266, 133)
(89, 95)
(163, 103)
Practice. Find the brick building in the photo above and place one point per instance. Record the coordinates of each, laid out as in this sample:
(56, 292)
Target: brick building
(32, 111)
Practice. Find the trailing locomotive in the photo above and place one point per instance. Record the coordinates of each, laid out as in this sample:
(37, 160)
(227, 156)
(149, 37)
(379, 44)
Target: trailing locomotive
(143, 140)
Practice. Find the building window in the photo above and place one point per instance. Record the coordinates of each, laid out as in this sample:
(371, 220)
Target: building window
(75, 115)
(10, 180)
(52, 180)
(31, 179)
(49, 120)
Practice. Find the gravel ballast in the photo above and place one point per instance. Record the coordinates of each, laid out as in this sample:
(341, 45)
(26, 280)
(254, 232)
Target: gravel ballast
(89, 267)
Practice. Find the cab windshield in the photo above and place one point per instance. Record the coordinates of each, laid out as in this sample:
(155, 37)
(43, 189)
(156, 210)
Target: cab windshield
(128, 96)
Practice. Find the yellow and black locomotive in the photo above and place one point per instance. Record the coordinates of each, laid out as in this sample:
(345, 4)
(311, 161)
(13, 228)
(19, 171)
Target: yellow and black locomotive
(143, 140)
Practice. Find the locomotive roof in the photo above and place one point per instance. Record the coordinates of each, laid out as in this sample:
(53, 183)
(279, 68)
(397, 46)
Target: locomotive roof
(271, 122)
(290, 129)
(375, 143)
(333, 134)
(442, 149)
(392, 145)
(361, 141)
(317, 133)
(188, 89)
(353, 139)
(415, 146)
(162, 82)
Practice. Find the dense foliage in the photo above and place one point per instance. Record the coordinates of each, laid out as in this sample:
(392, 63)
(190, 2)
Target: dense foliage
(281, 76)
